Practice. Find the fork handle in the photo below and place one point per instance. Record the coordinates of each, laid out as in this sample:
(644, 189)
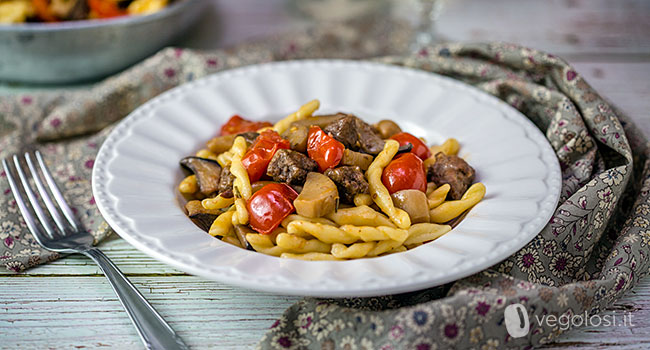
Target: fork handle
(152, 328)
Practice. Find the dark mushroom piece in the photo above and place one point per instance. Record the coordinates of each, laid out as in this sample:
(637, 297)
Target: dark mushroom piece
(249, 136)
(318, 120)
(225, 183)
(207, 173)
(202, 217)
(404, 148)
(241, 231)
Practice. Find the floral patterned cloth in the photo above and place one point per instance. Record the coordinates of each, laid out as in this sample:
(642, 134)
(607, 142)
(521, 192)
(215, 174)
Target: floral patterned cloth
(594, 248)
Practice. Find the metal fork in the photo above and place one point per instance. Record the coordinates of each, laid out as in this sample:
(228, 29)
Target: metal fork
(69, 237)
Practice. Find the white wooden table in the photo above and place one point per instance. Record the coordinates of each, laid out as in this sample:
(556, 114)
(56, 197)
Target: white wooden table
(68, 304)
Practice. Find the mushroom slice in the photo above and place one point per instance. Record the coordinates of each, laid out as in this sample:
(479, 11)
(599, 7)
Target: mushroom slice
(414, 202)
(241, 231)
(207, 172)
(202, 217)
(318, 197)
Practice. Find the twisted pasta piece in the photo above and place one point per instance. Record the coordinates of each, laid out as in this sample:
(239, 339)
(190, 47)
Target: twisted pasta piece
(438, 196)
(381, 233)
(362, 215)
(355, 251)
(305, 111)
(222, 225)
(241, 185)
(362, 199)
(325, 233)
(451, 209)
(379, 192)
(217, 202)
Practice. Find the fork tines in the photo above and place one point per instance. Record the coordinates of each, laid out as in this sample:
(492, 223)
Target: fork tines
(44, 218)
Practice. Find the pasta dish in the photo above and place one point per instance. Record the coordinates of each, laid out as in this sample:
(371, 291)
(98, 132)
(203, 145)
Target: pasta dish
(326, 187)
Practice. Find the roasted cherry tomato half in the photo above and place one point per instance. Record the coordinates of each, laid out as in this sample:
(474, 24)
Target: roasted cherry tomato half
(269, 206)
(258, 157)
(324, 149)
(237, 125)
(420, 149)
(405, 172)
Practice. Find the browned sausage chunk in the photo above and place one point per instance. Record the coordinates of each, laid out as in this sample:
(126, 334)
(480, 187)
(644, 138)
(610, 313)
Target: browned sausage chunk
(451, 170)
(349, 180)
(356, 135)
(290, 167)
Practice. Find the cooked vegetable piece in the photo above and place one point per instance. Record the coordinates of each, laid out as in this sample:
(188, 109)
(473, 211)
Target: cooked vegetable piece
(241, 231)
(387, 128)
(225, 182)
(320, 120)
(297, 137)
(237, 125)
(349, 180)
(221, 144)
(359, 159)
(356, 135)
(404, 148)
(451, 170)
(258, 185)
(414, 202)
(404, 172)
(290, 167)
(202, 217)
(269, 206)
(249, 136)
(207, 172)
(324, 149)
(258, 157)
(420, 149)
(318, 198)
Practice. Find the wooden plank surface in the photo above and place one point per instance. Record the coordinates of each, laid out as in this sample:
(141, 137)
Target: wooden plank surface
(69, 304)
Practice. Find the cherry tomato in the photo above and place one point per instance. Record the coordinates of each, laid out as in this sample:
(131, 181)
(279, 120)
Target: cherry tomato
(237, 124)
(269, 206)
(323, 148)
(258, 157)
(105, 8)
(419, 148)
(42, 8)
(405, 172)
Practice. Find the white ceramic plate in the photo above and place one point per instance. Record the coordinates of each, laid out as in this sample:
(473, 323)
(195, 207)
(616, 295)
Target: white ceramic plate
(136, 173)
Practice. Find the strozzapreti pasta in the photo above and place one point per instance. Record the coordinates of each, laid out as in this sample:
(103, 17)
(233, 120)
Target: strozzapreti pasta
(326, 187)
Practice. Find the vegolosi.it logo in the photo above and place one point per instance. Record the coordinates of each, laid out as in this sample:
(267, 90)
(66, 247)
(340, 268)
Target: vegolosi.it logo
(517, 322)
